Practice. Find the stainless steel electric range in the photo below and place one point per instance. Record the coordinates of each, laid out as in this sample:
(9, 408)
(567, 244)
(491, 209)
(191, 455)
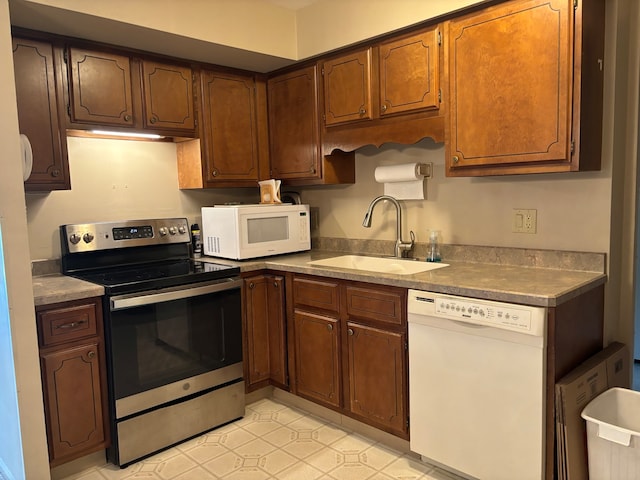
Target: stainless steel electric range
(172, 332)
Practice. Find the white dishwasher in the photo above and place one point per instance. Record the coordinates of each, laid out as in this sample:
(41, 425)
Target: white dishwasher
(477, 385)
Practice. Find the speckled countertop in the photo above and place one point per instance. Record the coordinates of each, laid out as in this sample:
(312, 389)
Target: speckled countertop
(509, 275)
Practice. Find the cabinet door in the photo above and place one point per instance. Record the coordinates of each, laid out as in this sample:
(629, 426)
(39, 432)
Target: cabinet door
(36, 92)
(510, 84)
(168, 97)
(293, 125)
(409, 77)
(100, 88)
(230, 127)
(377, 376)
(71, 381)
(265, 329)
(347, 88)
(317, 357)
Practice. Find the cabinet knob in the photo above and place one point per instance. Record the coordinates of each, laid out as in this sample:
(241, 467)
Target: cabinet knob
(363, 111)
(55, 172)
(275, 284)
(153, 120)
(383, 108)
(91, 354)
(455, 159)
(312, 170)
(214, 172)
(127, 117)
(251, 285)
(350, 331)
(329, 327)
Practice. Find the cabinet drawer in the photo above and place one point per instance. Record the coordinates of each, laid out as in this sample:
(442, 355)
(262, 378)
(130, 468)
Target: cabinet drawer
(387, 307)
(317, 294)
(66, 324)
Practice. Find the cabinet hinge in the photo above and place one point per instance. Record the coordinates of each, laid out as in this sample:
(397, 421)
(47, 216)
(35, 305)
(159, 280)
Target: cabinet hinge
(68, 109)
(439, 95)
(439, 38)
(65, 56)
(322, 71)
(573, 147)
(406, 345)
(407, 422)
(575, 4)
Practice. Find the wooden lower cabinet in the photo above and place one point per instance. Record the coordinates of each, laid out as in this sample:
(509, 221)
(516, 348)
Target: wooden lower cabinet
(377, 373)
(349, 349)
(317, 340)
(72, 362)
(265, 335)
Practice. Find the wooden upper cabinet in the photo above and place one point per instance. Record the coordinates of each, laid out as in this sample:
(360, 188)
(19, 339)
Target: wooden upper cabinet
(409, 74)
(38, 114)
(518, 73)
(347, 88)
(168, 96)
(230, 128)
(100, 88)
(293, 125)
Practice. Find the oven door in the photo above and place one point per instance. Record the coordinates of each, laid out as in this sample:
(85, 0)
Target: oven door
(171, 343)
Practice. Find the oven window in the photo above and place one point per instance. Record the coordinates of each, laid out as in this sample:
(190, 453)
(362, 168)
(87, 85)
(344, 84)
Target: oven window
(154, 345)
(269, 229)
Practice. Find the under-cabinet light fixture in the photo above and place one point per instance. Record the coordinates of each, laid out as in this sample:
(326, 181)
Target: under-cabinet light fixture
(127, 134)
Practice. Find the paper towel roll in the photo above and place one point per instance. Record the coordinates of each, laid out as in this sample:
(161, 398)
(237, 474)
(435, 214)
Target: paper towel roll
(404, 182)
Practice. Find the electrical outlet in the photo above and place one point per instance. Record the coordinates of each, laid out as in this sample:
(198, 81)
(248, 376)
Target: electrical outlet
(525, 221)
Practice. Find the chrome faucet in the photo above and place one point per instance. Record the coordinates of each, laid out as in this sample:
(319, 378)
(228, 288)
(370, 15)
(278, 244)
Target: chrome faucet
(402, 248)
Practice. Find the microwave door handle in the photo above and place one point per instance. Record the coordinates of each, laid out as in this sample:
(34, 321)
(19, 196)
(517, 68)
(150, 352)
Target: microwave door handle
(141, 300)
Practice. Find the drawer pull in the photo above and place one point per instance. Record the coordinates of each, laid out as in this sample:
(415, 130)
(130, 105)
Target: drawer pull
(70, 325)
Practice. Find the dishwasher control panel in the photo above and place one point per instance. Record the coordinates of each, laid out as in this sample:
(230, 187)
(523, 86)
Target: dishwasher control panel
(505, 315)
(431, 307)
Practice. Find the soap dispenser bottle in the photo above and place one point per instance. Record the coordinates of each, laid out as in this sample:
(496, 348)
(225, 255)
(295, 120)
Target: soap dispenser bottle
(433, 253)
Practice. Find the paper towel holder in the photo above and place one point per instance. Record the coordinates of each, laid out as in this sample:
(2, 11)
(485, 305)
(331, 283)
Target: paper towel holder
(424, 169)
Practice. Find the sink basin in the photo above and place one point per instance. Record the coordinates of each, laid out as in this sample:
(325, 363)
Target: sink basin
(376, 264)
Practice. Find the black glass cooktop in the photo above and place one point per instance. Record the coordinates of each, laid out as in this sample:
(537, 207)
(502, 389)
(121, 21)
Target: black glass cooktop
(137, 278)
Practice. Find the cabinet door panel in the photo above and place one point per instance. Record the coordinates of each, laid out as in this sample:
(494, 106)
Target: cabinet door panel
(377, 375)
(293, 125)
(230, 127)
(317, 342)
(277, 329)
(71, 379)
(510, 81)
(409, 74)
(347, 88)
(100, 88)
(168, 96)
(34, 70)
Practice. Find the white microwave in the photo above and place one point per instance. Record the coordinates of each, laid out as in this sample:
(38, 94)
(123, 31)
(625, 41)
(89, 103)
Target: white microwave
(239, 232)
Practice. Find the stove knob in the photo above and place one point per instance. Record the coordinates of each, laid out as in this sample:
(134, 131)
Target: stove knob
(87, 237)
(74, 238)
(173, 230)
(163, 231)
(182, 229)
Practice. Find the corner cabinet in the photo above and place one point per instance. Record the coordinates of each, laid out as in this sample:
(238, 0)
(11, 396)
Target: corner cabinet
(265, 331)
(350, 349)
(37, 91)
(525, 80)
(294, 133)
(72, 362)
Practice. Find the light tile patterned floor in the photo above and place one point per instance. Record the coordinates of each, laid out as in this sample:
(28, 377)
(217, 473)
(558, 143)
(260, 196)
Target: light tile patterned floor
(274, 441)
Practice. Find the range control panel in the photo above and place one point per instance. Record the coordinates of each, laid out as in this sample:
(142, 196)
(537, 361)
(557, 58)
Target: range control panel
(88, 237)
(498, 314)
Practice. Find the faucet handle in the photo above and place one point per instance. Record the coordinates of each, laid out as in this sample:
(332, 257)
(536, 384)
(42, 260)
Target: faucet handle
(412, 236)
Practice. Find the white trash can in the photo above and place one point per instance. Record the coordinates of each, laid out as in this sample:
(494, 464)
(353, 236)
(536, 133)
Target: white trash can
(613, 435)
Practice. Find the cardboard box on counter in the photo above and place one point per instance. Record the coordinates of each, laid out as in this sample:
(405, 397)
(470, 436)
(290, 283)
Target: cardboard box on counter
(608, 368)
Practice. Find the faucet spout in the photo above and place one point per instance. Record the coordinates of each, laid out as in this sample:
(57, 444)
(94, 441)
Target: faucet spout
(402, 248)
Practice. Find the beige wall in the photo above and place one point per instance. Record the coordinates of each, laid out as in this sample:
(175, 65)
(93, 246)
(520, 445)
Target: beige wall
(18, 273)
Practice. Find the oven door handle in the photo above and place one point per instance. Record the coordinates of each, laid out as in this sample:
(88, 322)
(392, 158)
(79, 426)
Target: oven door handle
(120, 303)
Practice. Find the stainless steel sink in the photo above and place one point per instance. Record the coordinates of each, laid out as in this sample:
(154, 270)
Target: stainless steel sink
(395, 266)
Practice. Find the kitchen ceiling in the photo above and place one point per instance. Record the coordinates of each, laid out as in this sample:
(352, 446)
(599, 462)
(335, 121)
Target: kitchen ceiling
(292, 4)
